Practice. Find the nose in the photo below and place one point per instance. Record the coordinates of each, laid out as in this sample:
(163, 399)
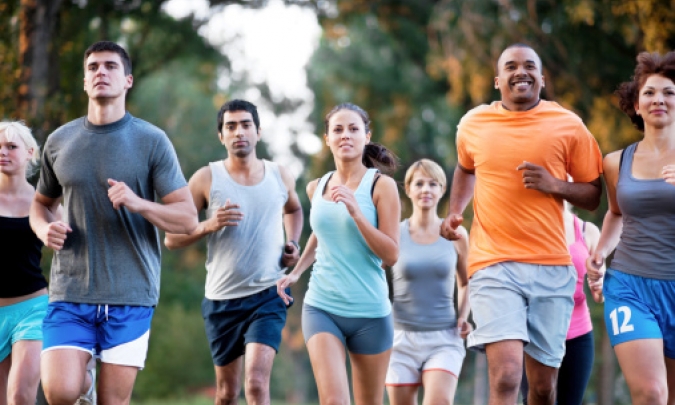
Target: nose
(658, 98)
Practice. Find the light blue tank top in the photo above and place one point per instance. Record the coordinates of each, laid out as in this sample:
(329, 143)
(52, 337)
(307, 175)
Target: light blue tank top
(347, 279)
(424, 284)
(647, 245)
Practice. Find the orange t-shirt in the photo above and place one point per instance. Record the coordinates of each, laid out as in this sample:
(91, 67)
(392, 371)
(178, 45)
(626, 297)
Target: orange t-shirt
(512, 223)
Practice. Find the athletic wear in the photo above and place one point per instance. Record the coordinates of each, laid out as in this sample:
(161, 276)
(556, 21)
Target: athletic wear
(581, 315)
(111, 256)
(639, 308)
(416, 352)
(424, 283)
(21, 321)
(347, 279)
(647, 242)
(21, 252)
(245, 259)
(359, 335)
(523, 301)
(232, 324)
(117, 334)
(512, 223)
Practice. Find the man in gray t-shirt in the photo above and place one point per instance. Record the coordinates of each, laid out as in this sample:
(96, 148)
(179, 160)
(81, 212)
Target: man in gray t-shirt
(107, 168)
(249, 203)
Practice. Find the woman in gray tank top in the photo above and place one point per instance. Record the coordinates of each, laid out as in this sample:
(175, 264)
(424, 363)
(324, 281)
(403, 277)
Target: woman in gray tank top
(428, 334)
(639, 286)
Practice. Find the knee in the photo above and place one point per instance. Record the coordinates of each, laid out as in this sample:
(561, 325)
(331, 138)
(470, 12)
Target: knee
(542, 392)
(506, 377)
(257, 386)
(650, 392)
(22, 396)
(334, 400)
(226, 394)
(61, 395)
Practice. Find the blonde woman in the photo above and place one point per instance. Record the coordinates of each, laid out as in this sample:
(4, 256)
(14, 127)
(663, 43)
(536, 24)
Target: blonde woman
(428, 332)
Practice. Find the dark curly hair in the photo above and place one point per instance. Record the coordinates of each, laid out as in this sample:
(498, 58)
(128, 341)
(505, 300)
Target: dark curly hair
(647, 64)
(374, 154)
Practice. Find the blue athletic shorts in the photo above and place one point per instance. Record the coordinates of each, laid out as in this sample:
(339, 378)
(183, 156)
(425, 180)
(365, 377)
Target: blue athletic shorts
(639, 308)
(232, 324)
(21, 321)
(117, 334)
(359, 335)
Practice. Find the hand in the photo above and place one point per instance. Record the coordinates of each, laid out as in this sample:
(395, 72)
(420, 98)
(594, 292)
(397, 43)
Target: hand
(669, 174)
(345, 195)
(291, 255)
(227, 215)
(598, 296)
(537, 178)
(122, 196)
(450, 225)
(594, 269)
(464, 327)
(283, 283)
(54, 234)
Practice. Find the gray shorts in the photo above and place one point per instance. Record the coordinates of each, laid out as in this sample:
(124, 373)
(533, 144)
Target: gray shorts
(359, 335)
(523, 301)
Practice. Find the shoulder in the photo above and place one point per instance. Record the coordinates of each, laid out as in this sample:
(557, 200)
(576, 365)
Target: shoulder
(552, 107)
(64, 132)
(384, 182)
(611, 162)
(285, 174)
(201, 177)
(147, 128)
(311, 187)
(477, 113)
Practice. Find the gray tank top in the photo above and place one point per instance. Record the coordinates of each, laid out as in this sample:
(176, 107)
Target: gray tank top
(647, 245)
(424, 284)
(245, 259)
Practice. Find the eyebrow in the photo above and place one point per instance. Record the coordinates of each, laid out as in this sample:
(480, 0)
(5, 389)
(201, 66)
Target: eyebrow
(246, 121)
(107, 62)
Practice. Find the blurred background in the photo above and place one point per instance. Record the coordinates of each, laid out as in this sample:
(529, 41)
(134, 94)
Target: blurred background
(415, 65)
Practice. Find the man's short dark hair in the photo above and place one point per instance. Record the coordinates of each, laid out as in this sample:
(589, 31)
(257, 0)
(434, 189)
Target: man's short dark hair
(239, 105)
(109, 46)
(517, 45)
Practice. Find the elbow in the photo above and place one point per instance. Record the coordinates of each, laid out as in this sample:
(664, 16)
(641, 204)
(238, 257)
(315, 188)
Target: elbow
(169, 243)
(391, 258)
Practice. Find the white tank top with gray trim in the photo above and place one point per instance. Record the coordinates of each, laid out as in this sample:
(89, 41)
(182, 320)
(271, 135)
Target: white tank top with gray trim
(245, 259)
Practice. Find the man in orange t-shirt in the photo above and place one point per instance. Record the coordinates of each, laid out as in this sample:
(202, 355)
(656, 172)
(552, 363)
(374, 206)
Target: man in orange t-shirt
(517, 154)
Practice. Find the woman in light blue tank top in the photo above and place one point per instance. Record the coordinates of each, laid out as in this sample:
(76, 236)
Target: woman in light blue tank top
(354, 218)
(639, 286)
(428, 338)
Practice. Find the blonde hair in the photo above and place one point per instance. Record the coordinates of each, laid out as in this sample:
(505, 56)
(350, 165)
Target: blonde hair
(433, 169)
(13, 129)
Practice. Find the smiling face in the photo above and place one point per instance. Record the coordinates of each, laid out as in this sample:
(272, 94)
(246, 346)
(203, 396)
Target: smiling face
(346, 136)
(656, 102)
(519, 78)
(104, 76)
(239, 133)
(14, 155)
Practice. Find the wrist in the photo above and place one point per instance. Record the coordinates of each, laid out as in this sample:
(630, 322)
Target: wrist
(294, 243)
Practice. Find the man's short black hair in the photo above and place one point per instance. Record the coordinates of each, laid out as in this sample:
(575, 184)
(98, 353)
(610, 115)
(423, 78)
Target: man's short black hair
(517, 45)
(109, 46)
(239, 105)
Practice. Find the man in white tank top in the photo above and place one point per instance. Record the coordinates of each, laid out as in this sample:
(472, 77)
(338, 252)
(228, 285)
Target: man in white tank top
(249, 204)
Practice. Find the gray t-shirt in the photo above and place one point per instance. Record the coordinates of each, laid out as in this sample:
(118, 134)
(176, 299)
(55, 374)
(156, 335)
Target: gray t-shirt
(111, 256)
(424, 284)
(245, 259)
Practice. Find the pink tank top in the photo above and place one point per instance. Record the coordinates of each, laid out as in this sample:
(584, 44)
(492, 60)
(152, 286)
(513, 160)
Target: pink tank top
(581, 316)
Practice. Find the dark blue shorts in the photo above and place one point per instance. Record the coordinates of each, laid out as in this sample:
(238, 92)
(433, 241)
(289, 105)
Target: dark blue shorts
(232, 324)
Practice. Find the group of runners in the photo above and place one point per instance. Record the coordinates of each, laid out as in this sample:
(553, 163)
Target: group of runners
(522, 160)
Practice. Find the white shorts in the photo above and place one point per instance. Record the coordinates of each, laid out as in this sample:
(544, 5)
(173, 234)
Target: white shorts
(416, 352)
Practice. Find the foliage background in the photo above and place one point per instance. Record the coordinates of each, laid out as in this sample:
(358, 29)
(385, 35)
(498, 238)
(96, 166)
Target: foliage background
(416, 65)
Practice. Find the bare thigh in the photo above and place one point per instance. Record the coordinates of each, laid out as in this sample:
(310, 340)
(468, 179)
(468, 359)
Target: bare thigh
(642, 364)
(328, 357)
(369, 372)
(439, 387)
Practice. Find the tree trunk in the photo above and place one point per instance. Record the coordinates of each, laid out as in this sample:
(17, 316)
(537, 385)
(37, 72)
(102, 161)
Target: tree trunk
(37, 19)
(605, 387)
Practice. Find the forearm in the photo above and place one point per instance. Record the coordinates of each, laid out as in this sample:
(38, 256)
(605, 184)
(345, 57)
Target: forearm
(463, 183)
(179, 240)
(307, 258)
(41, 215)
(612, 226)
(177, 217)
(380, 243)
(293, 225)
(463, 307)
(583, 195)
